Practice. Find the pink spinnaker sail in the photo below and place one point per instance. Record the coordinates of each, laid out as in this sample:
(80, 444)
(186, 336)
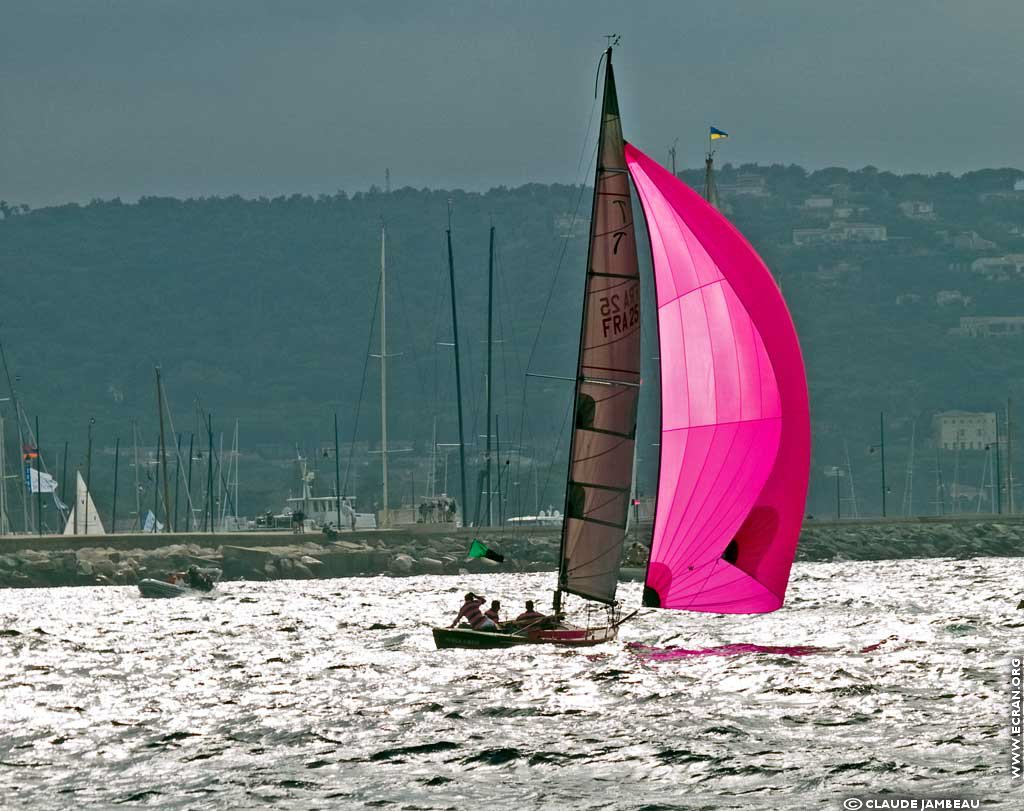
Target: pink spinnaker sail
(735, 433)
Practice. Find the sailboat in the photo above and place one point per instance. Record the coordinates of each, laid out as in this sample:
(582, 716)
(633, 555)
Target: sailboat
(84, 518)
(735, 423)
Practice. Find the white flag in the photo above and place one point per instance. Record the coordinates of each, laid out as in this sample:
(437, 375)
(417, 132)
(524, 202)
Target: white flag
(151, 524)
(42, 482)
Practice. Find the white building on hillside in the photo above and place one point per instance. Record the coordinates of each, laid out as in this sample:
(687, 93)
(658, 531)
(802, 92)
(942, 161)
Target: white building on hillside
(991, 326)
(1000, 267)
(964, 430)
(918, 210)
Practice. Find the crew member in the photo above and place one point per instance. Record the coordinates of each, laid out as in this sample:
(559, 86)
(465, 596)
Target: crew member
(198, 580)
(529, 615)
(471, 612)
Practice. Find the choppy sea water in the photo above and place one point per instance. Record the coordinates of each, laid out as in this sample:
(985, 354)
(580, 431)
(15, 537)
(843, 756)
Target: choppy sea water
(330, 694)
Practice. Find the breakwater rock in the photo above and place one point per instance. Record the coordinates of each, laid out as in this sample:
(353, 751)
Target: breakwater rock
(952, 537)
(27, 561)
(102, 566)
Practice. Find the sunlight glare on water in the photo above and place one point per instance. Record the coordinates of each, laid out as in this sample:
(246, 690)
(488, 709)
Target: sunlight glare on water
(330, 694)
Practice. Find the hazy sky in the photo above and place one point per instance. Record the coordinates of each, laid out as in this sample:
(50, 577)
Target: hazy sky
(174, 97)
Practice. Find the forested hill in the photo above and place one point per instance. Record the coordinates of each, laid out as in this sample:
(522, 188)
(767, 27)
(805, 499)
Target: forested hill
(262, 309)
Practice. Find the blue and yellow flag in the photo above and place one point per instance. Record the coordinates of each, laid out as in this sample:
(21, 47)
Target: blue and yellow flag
(717, 134)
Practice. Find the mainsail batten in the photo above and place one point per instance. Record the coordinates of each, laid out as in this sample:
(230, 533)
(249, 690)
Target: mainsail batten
(735, 443)
(607, 378)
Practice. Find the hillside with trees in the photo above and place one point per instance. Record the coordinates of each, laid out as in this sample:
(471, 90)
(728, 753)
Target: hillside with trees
(265, 311)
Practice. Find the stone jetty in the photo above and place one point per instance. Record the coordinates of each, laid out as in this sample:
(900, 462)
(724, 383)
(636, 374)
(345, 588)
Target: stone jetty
(124, 559)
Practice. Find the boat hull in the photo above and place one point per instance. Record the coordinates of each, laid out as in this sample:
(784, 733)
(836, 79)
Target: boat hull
(566, 637)
(162, 589)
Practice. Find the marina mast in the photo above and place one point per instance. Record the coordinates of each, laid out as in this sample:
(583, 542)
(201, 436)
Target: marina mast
(163, 453)
(489, 517)
(21, 435)
(3, 481)
(458, 372)
(383, 373)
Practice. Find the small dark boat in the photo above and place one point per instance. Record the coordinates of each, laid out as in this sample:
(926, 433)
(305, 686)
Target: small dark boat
(148, 587)
(563, 635)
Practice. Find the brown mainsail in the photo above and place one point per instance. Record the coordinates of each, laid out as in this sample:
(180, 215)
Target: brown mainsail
(607, 378)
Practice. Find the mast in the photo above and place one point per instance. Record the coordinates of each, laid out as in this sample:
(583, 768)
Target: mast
(433, 460)
(908, 487)
(1009, 457)
(607, 378)
(999, 473)
(117, 458)
(854, 512)
(21, 435)
(156, 490)
(209, 474)
(177, 478)
(337, 470)
(223, 490)
(710, 189)
(458, 370)
(188, 484)
(237, 454)
(64, 473)
(39, 480)
(881, 445)
(88, 472)
(490, 345)
(497, 465)
(956, 480)
(163, 452)
(3, 480)
(384, 374)
(138, 495)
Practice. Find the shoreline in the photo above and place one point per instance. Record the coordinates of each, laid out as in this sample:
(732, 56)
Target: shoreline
(28, 561)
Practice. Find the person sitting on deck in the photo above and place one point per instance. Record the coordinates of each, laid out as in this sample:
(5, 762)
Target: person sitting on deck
(198, 580)
(493, 612)
(529, 615)
(471, 612)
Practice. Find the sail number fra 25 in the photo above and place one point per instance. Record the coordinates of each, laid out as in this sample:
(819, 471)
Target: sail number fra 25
(620, 312)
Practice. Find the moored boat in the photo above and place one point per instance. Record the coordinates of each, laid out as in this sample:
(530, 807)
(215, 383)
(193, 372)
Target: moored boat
(150, 587)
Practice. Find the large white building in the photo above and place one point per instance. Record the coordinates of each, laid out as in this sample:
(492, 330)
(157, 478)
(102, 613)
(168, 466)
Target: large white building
(964, 430)
(841, 232)
(992, 326)
(918, 210)
(1000, 268)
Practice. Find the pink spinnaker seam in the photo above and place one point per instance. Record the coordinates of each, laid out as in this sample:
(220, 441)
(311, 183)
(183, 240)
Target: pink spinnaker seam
(735, 433)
